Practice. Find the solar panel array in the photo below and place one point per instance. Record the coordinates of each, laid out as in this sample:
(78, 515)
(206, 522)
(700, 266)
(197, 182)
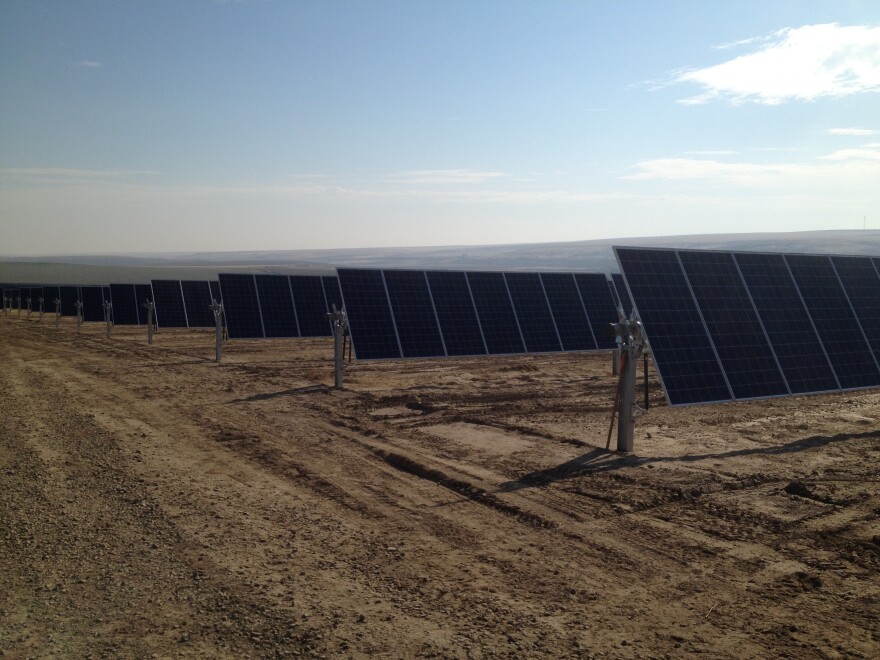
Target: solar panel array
(414, 313)
(727, 326)
(264, 306)
(184, 303)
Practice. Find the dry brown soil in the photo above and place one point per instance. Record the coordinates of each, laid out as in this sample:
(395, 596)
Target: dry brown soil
(154, 503)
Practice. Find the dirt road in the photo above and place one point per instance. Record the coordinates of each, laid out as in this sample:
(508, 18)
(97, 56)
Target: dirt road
(156, 504)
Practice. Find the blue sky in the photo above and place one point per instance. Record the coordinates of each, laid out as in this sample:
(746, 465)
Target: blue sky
(256, 125)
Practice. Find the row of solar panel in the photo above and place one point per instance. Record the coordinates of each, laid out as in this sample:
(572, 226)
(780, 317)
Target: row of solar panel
(413, 313)
(727, 326)
(264, 306)
(178, 303)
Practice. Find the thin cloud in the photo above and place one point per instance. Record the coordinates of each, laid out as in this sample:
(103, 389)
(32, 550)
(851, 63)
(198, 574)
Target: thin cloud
(89, 64)
(794, 64)
(711, 152)
(445, 176)
(71, 174)
(858, 132)
(870, 151)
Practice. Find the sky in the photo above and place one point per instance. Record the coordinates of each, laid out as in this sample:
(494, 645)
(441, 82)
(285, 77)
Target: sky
(214, 125)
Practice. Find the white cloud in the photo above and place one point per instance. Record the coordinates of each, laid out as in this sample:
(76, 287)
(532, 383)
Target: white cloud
(89, 64)
(803, 64)
(858, 132)
(445, 176)
(711, 152)
(850, 168)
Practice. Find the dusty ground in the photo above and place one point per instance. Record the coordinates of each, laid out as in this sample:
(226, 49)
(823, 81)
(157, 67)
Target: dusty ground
(154, 503)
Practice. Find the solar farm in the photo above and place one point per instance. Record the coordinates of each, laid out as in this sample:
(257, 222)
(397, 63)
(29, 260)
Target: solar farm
(681, 458)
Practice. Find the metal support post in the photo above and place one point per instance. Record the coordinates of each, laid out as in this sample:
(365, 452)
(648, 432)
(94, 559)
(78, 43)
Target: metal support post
(645, 379)
(339, 322)
(57, 311)
(151, 313)
(615, 361)
(217, 308)
(79, 315)
(108, 316)
(28, 315)
(631, 341)
(40, 308)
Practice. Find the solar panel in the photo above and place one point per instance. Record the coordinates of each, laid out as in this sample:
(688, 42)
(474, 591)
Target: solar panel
(69, 297)
(764, 324)
(414, 314)
(835, 321)
(170, 308)
(456, 314)
(276, 306)
(197, 302)
(533, 312)
(619, 288)
(788, 325)
(683, 353)
(92, 298)
(495, 312)
(143, 294)
(241, 306)
(124, 299)
(568, 312)
(214, 285)
(373, 333)
(734, 328)
(310, 301)
(408, 313)
(861, 282)
(600, 306)
(50, 294)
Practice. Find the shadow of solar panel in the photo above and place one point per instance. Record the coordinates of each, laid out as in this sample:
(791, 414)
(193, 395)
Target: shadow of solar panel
(568, 312)
(69, 296)
(600, 306)
(276, 306)
(495, 311)
(835, 322)
(733, 324)
(456, 313)
(197, 302)
(533, 312)
(241, 306)
(373, 334)
(143, 293)
(784, 317)
(92, 298)
(311, 305)
(168, 299)
(683, 354)
(124, 304)
(414, 316)
(862, 285)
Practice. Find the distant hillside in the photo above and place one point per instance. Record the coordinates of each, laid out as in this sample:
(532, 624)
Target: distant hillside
(571, 256)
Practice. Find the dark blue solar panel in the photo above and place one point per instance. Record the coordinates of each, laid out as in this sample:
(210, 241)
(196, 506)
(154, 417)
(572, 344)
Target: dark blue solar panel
(197, 300)
(495, 311)
(50, 294)
(683, 354)
(733, 324)
(276, 306)
(600, 306)
(533, 312)
(168, 298)
(92, 298)
(787, 323)
(414, 314)
(835, 322)
(240, 306)
(311, 305)
(214, 285)
(568, 312)
(369, 315)
(862, 285)
(622, 293)
(143, 293)
(124, 304)
(331, 292)
(456, 313)
(69, 296)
